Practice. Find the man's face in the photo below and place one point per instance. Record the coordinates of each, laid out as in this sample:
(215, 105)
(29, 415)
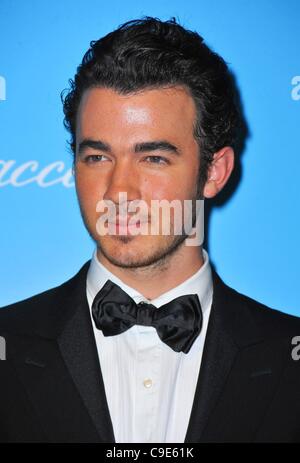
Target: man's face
(124, 161)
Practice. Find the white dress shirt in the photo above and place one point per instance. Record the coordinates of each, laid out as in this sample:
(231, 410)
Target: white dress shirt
(149, 387)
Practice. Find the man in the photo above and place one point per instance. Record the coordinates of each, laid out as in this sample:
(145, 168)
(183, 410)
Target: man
(146, 343)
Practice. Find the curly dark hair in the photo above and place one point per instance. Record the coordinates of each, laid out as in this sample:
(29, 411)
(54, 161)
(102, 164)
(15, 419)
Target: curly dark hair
(150, 53)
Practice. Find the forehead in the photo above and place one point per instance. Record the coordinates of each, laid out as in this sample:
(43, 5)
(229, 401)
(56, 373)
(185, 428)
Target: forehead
(168, 110)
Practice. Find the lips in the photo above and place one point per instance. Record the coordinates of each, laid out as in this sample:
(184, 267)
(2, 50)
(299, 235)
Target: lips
(127, 222)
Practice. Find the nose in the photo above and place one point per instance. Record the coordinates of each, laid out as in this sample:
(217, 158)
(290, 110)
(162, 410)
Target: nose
(122, 179)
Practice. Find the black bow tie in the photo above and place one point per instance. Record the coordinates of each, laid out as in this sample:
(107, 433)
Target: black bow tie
(177, 323)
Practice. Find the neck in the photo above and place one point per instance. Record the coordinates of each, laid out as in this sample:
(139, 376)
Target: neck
(158, 278)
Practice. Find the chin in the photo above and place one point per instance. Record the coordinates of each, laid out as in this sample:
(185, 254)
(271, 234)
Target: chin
(125, 251)
(137, 251)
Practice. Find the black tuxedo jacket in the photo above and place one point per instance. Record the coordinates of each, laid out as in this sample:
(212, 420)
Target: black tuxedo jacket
(51, 386)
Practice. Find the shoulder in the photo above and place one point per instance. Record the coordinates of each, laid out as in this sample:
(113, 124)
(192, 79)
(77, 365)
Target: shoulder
(270, 321)
(270, 317)
(27, 314)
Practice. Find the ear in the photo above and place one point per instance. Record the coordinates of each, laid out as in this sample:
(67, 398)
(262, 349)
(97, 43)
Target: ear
(219, 171)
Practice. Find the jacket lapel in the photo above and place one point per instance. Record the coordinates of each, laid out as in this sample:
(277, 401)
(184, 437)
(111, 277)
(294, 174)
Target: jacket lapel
(54, 339)
(238, 374)
(60, 345)
(79, 351)
(217, 359)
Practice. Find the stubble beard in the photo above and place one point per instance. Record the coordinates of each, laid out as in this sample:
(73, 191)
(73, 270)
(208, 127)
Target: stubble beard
(159, 258)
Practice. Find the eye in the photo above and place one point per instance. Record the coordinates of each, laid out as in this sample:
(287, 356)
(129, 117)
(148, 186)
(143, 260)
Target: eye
(92, 158)
(157, 160)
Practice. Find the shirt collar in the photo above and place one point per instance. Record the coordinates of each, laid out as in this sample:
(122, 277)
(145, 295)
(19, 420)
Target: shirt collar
(199, 283)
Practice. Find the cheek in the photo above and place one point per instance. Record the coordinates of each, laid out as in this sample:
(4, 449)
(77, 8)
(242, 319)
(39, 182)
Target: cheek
(88, 190)
(156, 187)
(179, 186)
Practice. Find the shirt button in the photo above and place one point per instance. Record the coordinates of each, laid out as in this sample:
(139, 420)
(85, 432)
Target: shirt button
(147, 382)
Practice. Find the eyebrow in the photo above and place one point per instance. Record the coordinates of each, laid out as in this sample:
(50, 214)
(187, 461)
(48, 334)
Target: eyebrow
(138, 147)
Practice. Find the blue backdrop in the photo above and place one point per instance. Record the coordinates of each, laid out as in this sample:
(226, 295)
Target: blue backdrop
(253, 238)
